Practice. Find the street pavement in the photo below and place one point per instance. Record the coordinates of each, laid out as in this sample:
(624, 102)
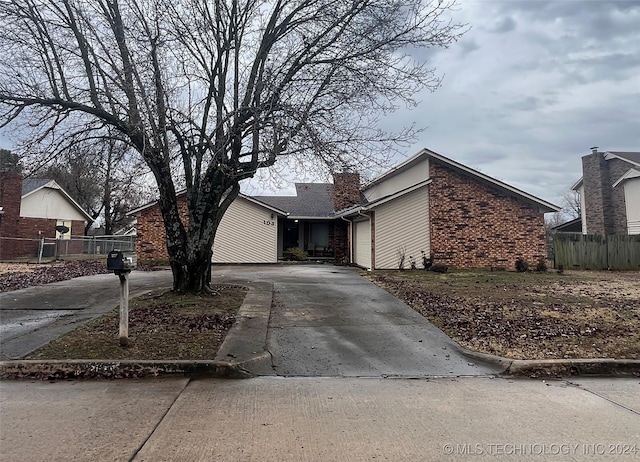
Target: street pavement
(346, 373)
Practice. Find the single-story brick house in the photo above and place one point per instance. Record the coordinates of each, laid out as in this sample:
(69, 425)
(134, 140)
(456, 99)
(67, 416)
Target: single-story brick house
(429, 203)
(31, 209)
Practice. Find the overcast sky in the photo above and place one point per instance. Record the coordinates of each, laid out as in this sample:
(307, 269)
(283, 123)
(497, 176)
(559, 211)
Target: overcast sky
(530, 88)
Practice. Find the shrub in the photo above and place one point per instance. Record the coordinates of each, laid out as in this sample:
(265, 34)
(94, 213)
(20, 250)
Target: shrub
(439, 268)
(295, 253)
(521, 265)
(401, 258)
(541, 267)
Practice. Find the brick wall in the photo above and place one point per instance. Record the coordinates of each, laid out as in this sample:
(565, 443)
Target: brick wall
(346, 190)
(10, 196)
(474, 225)
(151, 238)
(341, 242)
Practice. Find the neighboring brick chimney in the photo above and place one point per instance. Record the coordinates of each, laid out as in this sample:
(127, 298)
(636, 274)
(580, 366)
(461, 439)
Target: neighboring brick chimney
(346, 190)
(604, 205)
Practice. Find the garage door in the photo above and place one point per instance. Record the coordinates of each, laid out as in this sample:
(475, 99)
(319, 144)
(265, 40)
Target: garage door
(362, 243)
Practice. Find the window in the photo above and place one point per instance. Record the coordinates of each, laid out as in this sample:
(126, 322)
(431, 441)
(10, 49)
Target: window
(320, 234)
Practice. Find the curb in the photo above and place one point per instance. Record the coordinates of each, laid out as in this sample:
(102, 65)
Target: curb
(574, 367)
(557, 367)
(91, 369)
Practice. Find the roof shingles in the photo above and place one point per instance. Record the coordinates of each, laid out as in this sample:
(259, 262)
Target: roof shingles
(313, 200)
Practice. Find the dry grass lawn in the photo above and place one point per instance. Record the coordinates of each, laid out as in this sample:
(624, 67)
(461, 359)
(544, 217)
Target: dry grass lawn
(528, 315)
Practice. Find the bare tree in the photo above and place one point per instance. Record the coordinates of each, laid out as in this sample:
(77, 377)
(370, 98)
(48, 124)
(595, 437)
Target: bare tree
(101, 175)
(571, 204)
(210, 91)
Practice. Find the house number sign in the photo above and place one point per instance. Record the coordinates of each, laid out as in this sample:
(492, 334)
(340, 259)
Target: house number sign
(269, 222)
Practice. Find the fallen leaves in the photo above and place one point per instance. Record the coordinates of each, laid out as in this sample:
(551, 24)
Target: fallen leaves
(38, 274)
(528, 316)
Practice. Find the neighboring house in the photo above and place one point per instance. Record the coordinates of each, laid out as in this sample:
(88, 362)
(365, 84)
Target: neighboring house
(610, 193)
(429, 203)
(32, 209)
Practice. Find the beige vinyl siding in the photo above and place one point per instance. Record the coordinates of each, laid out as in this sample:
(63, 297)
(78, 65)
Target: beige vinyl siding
(402, 223)
(362, 243)
(49, 203)
(247, 234)
(398, 182)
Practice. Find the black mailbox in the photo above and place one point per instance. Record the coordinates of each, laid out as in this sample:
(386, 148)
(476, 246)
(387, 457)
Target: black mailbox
(119, 261)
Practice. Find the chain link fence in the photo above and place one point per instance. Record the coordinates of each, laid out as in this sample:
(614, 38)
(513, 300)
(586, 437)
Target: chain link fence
(88, 247)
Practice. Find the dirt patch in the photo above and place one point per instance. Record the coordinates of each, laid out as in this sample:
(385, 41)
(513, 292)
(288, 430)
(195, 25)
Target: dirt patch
(162, 326)
(528, 315)
(15, 268)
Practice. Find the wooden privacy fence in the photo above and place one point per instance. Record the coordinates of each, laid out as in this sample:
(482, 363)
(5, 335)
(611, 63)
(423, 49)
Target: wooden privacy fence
(595, 252)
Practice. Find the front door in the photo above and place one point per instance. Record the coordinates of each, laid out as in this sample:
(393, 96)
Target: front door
(291, 235)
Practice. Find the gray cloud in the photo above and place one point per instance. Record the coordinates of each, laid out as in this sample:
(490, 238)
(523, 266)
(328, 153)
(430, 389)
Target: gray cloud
(503, 25)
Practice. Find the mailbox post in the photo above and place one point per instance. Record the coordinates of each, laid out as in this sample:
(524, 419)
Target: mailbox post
(122, 264)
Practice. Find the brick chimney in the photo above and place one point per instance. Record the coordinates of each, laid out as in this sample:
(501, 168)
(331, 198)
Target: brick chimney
(604, 205)
(346, 190)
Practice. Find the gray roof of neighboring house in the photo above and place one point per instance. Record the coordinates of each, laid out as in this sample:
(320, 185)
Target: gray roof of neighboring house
(31, 184)
(572, 226)
(312, 200)
(633, 157)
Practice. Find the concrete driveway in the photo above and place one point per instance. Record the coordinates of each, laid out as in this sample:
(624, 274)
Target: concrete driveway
(329, 321)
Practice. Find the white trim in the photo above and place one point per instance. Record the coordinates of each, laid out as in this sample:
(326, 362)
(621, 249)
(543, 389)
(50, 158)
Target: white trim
(577, 184)
(384, 200)
(612, 155)
(249, 198)
(431, 154)
(631, 173)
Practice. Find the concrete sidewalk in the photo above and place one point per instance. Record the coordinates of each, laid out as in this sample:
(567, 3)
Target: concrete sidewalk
(321, 419)
(310, 320)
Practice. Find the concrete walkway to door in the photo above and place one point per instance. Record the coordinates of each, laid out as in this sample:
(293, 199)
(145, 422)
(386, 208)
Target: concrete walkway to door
(328, 321)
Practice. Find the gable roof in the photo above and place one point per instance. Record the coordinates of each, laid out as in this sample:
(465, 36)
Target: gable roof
(630, 157)
(180, 193)
(312, 200)
(426, 153)
(32, 185)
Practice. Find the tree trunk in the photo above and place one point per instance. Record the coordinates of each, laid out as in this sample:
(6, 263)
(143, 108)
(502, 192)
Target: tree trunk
(191, 264)
(192, 277)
